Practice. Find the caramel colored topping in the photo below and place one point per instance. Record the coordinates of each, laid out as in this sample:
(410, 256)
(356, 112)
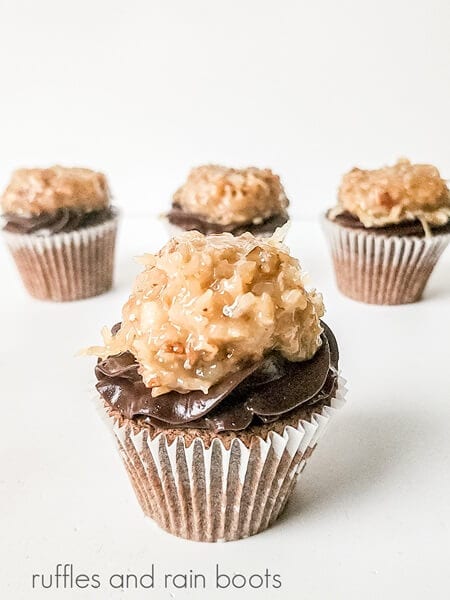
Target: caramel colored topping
(205, 306)
(36, 191)
(232, 196)
(394, 194)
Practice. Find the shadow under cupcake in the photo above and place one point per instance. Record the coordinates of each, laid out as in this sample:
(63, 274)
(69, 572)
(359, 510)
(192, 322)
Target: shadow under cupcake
(388, 231)
(60, 229)
(218, 199)
(218, 383)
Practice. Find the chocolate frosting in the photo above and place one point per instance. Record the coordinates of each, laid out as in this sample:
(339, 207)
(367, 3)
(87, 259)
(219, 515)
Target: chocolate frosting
(177, 216)
(259, 392)
(63, 220)
(405, 228)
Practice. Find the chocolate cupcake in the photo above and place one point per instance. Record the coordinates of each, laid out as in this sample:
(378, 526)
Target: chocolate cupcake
(61, 230)
(218, 383)
(217, 199)
(388, 231)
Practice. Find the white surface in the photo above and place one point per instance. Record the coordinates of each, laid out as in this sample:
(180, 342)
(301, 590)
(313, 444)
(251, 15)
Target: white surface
(144, 89)
(369, 522)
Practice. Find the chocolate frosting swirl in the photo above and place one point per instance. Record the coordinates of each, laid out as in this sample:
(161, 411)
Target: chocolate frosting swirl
(259, 392)
(177, 216)
(406, 228)
(64, 220)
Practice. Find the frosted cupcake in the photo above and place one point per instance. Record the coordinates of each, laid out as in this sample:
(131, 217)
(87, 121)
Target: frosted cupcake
(61, 230)
(218, 199)
(388, 231)
(218, 383)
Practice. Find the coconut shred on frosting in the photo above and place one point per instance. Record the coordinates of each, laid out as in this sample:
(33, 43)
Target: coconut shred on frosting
(226, 196)
(208, 306)
(33, 192)
(395, 194)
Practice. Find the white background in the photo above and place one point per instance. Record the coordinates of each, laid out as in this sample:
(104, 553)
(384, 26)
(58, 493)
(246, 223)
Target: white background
(145, 89)
(369, 520)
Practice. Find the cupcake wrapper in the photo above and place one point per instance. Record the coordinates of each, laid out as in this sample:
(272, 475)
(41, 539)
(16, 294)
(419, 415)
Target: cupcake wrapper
(378, 269)
(66, 266)
(218, 494)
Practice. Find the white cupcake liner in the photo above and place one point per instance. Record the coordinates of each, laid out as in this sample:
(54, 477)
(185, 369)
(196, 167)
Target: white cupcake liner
(66, 266)
(380, 269)
(213, 493)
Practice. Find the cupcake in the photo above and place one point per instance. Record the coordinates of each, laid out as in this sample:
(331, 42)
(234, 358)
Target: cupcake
(217, 199)
(388, 231)
(218, 382)
(61, 230)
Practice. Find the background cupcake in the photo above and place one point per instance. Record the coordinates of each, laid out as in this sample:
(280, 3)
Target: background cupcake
(218, 381)
(388, 230)
(61, 231)
(218, 199)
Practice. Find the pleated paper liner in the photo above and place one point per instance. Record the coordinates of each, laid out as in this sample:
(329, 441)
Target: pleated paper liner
(66, 266)
(219, 493)
(379, 269)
